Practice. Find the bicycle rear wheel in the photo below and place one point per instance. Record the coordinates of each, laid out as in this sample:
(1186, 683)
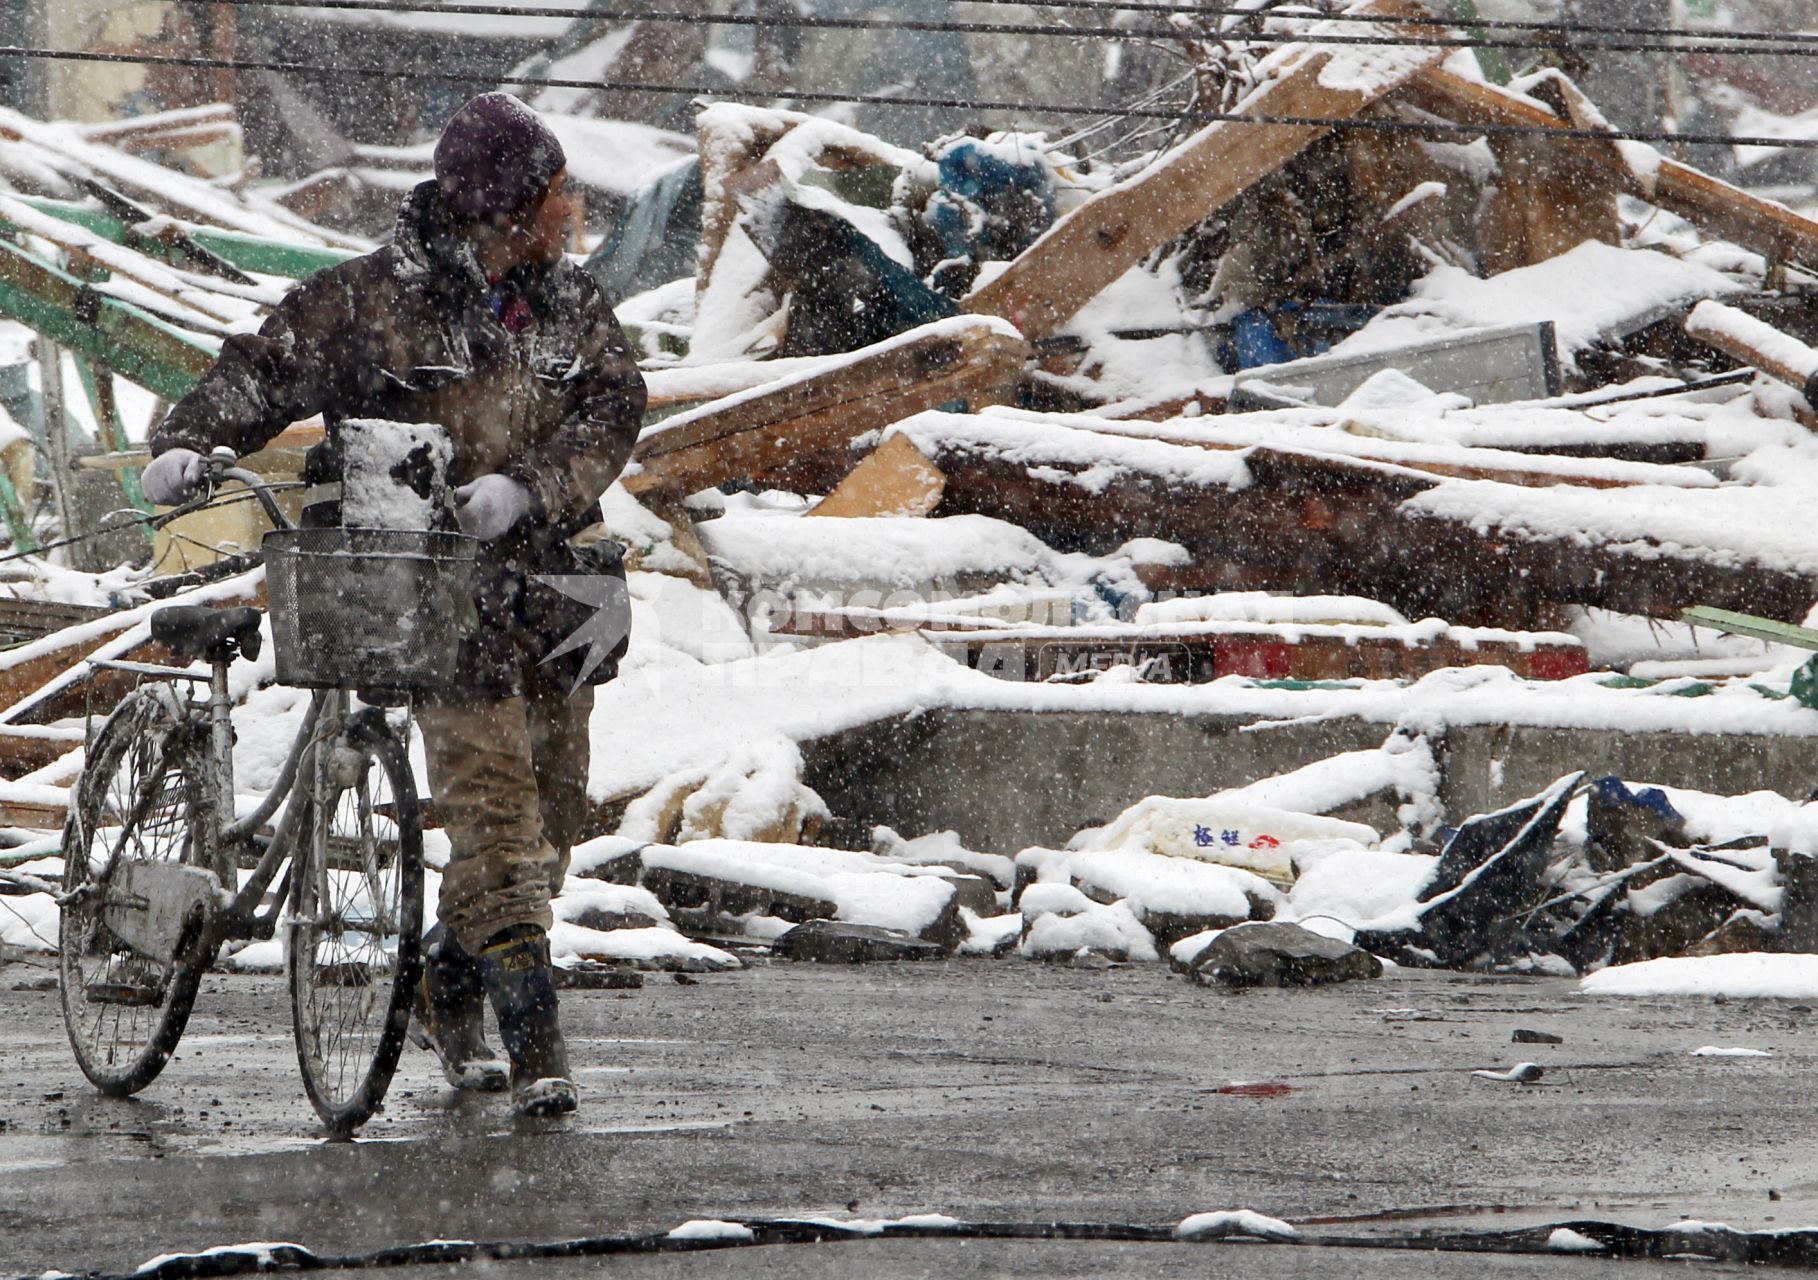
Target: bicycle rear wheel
(356, 923)
(137, 834)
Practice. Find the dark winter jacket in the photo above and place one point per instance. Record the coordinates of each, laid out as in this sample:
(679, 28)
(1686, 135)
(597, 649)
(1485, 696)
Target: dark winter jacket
(409, 333)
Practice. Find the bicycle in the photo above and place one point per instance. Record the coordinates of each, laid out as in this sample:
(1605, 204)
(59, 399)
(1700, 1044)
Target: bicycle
(161, 871)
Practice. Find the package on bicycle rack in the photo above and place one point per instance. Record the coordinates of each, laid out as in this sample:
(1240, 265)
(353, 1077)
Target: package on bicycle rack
(381, 602)
(394, 475)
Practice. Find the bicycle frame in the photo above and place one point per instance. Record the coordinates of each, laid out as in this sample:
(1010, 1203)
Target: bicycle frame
(231, 838)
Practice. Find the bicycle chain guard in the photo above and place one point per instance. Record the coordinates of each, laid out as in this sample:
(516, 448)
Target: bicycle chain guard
(154, 906)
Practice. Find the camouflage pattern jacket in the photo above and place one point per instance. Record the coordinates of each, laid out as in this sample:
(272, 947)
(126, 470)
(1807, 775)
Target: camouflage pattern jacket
(409, 333)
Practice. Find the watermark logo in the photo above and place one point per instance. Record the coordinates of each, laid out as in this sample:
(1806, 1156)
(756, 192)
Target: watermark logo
(610, 600)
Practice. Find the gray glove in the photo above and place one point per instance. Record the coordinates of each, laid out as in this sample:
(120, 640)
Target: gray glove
(489, 506)
(173, 477)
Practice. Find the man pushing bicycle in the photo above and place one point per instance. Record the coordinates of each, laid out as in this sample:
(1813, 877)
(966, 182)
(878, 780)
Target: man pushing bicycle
(472, 319)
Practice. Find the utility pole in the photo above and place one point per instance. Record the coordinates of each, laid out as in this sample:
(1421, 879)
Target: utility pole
(56, 432)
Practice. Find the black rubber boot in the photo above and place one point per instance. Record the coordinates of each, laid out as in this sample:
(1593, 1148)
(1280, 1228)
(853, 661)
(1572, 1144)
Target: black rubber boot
(450, 1016)
(516, 971)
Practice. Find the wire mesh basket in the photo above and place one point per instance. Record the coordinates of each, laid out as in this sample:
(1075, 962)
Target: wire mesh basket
(368, 608)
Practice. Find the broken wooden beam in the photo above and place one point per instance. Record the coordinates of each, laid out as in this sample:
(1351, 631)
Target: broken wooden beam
(1096, 243)
(1715, 206)
(117, 133)
(784, 429)
(1306, 522)
(1742, 337)
(34, 808)
(895, 479)
(23, 620)
(27, 748)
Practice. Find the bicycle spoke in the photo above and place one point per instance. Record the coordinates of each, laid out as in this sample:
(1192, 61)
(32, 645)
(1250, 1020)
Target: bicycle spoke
(350, 967)
(137, 804)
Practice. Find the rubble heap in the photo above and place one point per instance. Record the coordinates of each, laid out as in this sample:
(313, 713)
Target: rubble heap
(1369, 450)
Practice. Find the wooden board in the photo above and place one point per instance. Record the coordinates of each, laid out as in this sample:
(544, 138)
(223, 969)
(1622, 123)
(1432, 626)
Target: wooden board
(33, 817)
(25, 620)
(1113, 231)
(823, 413)
(896, 479)
(49, 686)
(282, 458)
(1542, 209)
(27, 748)
(1482, 464)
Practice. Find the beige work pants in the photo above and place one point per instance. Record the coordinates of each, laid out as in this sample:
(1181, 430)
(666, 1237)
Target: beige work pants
(509, 778)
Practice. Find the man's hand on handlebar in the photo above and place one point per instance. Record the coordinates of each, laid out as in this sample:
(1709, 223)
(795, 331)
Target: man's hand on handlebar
(173, 477)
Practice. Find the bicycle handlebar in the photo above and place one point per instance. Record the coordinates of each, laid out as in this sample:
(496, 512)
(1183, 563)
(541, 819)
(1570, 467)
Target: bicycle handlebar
(221, 467)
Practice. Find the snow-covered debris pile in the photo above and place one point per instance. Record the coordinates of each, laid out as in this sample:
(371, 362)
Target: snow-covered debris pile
(1262, 429)
(759, 890)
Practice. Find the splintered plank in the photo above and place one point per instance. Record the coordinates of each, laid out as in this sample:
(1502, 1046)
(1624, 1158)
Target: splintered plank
(770, 430)
(1096, 243)
(1729, 212)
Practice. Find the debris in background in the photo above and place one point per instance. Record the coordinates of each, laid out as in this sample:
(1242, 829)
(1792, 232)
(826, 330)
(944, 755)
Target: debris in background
(1281, 423)
(1487, 366)
(1279, 955)
(831, 942)
(798, 429)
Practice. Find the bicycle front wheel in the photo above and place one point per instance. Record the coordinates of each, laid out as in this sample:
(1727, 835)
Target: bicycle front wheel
(356, 924)
(132, 942)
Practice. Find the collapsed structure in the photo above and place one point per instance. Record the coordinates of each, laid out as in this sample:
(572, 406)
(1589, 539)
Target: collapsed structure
(1082, 560)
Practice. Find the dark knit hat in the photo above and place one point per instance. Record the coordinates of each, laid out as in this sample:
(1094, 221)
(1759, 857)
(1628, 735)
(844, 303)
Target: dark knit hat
(495, 158)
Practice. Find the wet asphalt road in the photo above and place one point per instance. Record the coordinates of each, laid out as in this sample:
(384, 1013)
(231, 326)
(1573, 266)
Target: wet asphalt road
(987, 1090)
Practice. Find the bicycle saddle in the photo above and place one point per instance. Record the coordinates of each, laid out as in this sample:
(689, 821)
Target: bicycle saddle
(195, 631)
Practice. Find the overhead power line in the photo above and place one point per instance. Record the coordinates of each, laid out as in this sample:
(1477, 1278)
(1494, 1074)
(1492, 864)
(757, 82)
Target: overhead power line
(1668, 41)
(1134, 6)
(1434, 128)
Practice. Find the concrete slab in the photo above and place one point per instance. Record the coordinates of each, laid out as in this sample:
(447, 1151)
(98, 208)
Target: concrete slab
(1006, 780)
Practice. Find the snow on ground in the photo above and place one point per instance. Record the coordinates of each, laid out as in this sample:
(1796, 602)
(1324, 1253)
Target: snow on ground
(1233, 1222)
(1357, 889)
(885, 554)
(1151, 882)
(1111, 930)
(863, 888)
(1747, 975)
